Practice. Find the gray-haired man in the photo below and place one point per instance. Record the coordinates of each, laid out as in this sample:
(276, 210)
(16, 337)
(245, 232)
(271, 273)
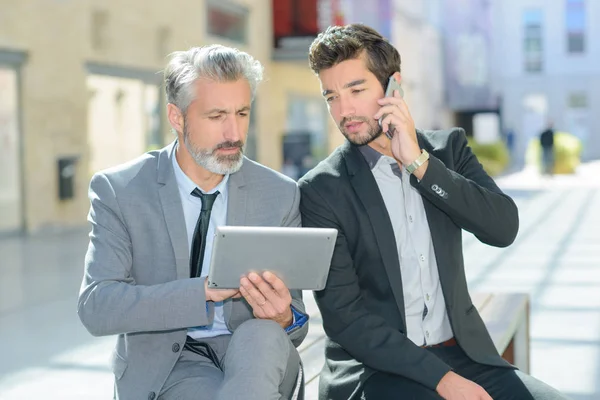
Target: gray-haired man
(152, 224)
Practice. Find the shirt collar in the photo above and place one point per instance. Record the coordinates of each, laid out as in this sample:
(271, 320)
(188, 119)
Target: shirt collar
(371, 155)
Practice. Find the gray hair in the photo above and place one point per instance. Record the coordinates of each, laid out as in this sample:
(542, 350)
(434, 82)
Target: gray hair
(215, 62)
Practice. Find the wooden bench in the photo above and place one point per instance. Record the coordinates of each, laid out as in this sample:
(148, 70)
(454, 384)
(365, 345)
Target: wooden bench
(506, 316)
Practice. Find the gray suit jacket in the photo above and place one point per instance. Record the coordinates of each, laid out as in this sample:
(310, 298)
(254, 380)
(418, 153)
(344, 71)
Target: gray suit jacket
(137, 281)
(362, 305)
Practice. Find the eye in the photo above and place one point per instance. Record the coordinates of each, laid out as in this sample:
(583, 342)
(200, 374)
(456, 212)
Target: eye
(355, 91)
(215, 117)
(243, 114)
(330, 99)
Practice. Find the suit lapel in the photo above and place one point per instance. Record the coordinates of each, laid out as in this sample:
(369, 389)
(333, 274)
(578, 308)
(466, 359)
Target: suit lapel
(173, 211)
(366, 189)
(236, 198)
(236, 216)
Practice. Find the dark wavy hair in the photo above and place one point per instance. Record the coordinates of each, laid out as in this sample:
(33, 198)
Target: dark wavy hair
(341, 43)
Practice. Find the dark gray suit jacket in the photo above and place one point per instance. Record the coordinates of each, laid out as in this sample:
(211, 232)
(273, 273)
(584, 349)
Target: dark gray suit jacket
(137, 276)
(362, 305)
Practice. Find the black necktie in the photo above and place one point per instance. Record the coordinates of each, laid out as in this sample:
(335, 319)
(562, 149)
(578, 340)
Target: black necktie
(199, 240)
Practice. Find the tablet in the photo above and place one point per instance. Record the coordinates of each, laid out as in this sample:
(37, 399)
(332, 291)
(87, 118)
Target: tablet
(300, 257)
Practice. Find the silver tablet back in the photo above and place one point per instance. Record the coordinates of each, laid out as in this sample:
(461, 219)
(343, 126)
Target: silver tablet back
(299, 256)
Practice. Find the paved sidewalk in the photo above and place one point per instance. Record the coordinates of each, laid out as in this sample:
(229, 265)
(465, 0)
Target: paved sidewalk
(556, 258)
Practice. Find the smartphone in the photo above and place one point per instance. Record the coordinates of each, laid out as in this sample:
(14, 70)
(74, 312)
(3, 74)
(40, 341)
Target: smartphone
(392, 85)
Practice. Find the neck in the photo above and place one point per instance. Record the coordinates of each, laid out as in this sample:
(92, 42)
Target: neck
(383, 145)
(202, 177)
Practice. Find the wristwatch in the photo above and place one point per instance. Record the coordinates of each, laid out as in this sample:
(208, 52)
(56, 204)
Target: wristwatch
(418, 162)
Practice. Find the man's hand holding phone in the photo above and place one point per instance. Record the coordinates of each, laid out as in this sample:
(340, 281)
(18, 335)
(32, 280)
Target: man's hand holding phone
(398, 123)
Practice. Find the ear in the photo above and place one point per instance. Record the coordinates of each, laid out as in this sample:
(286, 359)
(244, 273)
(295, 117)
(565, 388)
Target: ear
(397, 76)
(175, 117)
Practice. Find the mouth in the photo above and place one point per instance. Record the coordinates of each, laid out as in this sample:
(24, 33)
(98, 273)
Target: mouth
(353, 126)
(229, 150)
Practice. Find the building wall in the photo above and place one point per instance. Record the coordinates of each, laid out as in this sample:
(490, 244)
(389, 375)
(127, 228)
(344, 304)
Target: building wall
(420, 45)
(286, 80)
(562, 75)
(61, 39)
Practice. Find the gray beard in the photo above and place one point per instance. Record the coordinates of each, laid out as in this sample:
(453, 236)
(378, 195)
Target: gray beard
(207, 159)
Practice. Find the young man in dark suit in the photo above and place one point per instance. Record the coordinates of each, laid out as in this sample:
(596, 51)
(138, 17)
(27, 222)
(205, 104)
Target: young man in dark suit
(396, 309)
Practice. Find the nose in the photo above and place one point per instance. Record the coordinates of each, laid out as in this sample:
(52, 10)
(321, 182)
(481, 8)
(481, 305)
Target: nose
(233, 129)
(347, 108)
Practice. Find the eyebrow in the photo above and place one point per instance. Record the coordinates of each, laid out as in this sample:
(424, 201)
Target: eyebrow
(346, 86)
(224, 111)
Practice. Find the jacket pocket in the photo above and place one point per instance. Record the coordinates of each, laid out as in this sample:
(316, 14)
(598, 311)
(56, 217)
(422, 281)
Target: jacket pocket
(118, 364)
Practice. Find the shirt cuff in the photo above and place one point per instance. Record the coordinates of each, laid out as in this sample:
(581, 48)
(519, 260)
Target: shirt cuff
(298, 320)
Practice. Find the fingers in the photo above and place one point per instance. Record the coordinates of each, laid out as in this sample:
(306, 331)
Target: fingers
(277, 284)
(264, 287)
(389, 109)
(397, 101)
(267, 295)
(251, 293)
(219, 294)
(394, 105)
(394, 120)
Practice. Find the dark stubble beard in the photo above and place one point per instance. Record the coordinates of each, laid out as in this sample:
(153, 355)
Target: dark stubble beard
(360, 140)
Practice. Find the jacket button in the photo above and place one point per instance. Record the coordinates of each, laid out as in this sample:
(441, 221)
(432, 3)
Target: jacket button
(175, 348)
(151, 396)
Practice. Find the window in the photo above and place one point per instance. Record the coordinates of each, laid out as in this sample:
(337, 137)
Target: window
(578, 100)
(575, 21)
(123, 119)
(577, 118)
(99, 33)
(10, 156)
(227, 20)
(305, 138)
(533, 43)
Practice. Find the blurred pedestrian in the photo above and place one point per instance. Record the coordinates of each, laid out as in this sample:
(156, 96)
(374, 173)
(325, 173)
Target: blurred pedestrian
(547, 145)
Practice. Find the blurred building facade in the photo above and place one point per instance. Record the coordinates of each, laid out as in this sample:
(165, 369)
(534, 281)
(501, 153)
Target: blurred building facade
(80, 90)
(417, 33)
(80, 86)
(546, 67)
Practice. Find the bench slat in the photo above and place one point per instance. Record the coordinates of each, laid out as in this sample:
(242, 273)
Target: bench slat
(503, 315)
(313, 359)
(480, 300)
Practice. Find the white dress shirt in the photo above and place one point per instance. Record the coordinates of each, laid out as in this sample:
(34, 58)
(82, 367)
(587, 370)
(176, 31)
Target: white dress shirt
(427, 320)
(192, 206)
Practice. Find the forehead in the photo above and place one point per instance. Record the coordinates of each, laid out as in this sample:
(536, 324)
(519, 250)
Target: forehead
(345, 72)
(214, 94)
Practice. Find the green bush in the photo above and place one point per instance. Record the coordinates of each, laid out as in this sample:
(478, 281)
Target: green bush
(494, 156)
(567, 153)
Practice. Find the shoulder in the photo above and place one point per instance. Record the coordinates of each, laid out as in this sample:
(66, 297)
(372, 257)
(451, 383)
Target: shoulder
(328, 172)
(141, 168)
(442, 139)
(139, 171)
(262, 177)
